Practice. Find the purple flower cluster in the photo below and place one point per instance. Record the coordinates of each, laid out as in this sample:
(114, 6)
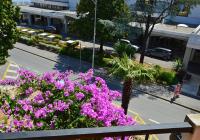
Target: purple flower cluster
(29, 91)
(79, 96)
(60, 105)
(38, 99)
(10, 82)
(27, 76)
(55, 101)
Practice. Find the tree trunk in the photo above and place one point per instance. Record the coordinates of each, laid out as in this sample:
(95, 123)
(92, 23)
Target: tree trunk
(127, 90)
(145, 46)
(101, 47)
(145, 39)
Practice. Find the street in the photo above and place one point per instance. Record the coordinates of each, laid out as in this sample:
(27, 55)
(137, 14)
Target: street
(152, 110)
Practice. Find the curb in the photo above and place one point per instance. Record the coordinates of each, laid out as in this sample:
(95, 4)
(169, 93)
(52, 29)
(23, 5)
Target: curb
(168, 100)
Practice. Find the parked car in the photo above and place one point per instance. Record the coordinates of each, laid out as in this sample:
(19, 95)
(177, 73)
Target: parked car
(129, 43)
(163, 53)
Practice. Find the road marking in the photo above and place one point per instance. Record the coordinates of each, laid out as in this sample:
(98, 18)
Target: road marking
(154, 121)
(13, 65)
(6, 71)
(139, 120)
(12, 71)
(10, 77)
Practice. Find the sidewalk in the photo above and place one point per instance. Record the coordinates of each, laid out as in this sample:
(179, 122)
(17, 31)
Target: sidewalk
(166, 94)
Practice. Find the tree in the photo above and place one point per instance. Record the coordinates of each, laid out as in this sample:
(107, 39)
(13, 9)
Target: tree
(123, 48)
(151, 12)
(9, 14)
(107, 10)
(132, 72)
(105, 32)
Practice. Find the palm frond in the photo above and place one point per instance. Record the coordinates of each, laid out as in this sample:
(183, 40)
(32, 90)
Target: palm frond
(127, 68)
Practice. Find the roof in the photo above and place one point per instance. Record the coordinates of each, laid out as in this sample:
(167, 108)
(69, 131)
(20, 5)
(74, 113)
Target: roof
(48, 13)
(165, 30)
(173, 31)
(194, 40)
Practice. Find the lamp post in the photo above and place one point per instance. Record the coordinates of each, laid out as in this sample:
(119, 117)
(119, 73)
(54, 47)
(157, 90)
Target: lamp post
(94, 37)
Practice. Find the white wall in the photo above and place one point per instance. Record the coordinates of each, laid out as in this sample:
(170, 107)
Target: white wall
(72, 4)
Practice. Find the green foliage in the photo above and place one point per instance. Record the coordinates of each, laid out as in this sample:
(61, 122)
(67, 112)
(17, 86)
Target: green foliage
(167, 77)
(59, 37)
(178, 65)
(9, 14)
(67, 38)
(83, 27)
(129, 69)
(163, 76)
(35, 40)
(122, 48)
(73, 45)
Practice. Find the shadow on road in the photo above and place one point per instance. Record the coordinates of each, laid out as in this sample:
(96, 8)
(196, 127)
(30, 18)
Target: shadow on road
(67, 63)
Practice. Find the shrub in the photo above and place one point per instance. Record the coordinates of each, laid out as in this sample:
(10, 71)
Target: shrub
(56, 40)
(167, 77)
(178, 65)
(35, 40)
(62, 44)
(58, 36)
(53, 101)
(67, 38)
(73, 45)
(30, 42)
(122, 48)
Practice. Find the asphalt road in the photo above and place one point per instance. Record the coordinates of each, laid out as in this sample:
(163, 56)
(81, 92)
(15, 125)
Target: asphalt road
(152, 110)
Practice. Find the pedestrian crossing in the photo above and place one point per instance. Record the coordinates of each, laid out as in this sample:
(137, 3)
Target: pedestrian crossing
(11, 71)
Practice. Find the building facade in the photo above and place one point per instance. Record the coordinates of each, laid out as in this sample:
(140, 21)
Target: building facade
(57, 5)
(45, 13)
(190, 17)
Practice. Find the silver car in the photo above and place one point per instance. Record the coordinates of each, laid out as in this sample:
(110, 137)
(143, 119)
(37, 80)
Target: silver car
(163, 53)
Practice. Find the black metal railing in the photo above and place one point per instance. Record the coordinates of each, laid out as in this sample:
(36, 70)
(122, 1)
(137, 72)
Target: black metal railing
(89, 133)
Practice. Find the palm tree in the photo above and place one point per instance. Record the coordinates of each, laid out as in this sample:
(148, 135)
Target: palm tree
(131, 72)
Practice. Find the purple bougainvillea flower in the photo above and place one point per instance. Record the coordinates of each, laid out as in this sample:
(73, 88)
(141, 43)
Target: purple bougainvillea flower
(60, 84)
(39, 124)
(62, 102)
(79, 96)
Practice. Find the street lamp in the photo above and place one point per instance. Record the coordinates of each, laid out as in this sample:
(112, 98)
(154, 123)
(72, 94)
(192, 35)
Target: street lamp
(94, 37)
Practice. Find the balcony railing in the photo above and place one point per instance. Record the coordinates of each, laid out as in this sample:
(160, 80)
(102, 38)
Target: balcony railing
(90, 133)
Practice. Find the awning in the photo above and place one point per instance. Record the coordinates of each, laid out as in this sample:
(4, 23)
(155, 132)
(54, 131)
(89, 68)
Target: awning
(48, 13)
(172, 31)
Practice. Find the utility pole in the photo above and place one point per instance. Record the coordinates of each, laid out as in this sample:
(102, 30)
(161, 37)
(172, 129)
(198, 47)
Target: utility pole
(94, 37)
